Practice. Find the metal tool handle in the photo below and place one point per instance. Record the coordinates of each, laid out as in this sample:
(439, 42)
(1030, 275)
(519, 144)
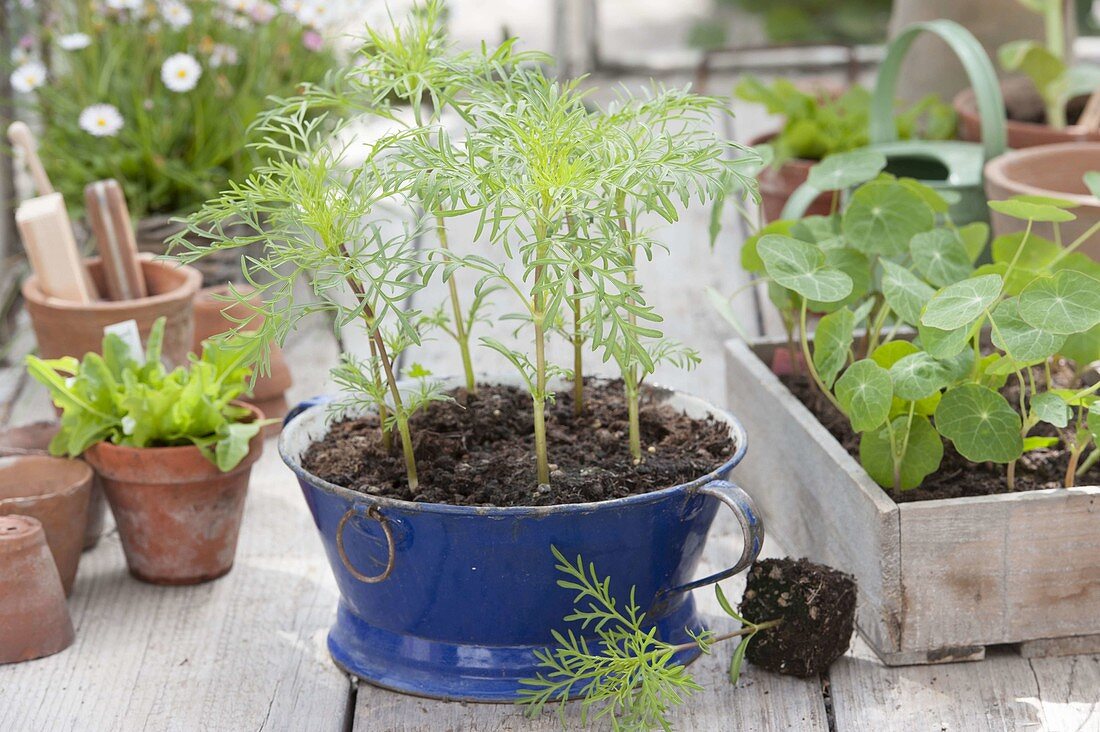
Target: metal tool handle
(752, 527)
(375, 513)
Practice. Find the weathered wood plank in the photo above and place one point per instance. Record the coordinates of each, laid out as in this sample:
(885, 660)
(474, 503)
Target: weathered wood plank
(990, 695)
(761, 702)
(814, 497)
(244, 652)
(1000, 569)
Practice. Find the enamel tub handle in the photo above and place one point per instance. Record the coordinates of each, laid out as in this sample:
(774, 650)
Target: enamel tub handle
(304, 405)
(375, 513)
(752, 527)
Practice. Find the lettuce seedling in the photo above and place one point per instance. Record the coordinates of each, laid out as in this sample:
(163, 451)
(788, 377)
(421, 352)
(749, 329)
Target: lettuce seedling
(126, 401)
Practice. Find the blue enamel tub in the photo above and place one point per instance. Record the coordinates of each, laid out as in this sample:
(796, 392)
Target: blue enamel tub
(451, 602)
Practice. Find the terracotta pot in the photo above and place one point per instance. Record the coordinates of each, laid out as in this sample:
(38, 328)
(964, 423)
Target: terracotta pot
(1048, 170)
(34, 438)
(778, 183)
(55, 491)
(34, 619)
(214, 317)
(1018, 92)
(66, 328)
(178, 516)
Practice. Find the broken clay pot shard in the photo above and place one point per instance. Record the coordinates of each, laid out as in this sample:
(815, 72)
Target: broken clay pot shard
(817, 605)
(34, 619)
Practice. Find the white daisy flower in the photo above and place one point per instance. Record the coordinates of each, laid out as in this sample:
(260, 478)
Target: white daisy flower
(180, 72)
(74, 41)
(28, 77)
(262, 12)
(240, 6)
(176, 14)
(101, 120)
(124, 4)
(223, 55)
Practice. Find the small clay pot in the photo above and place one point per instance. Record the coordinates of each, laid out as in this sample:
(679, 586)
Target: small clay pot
(56, 492)
(1049, 170)
(1018, 92)
(34, 619)
(178, 516)
(215, 316)
(34, 438)
(65, 328)
(778, 183)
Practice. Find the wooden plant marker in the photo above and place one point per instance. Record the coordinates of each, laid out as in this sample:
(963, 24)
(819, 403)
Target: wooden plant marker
(22, 138)
(48, 239)
(110, 221)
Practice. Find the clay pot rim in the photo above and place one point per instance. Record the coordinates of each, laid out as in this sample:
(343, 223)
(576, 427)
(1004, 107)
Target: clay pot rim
(187, 451)
(192, 281)
(965, 103)
(996, 170)
(84, 482)
(28, 531)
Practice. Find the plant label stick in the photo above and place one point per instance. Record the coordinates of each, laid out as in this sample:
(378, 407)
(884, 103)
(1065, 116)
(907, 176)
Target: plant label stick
(128, 331)
(48, 238)
(21, 137)
(110, 220)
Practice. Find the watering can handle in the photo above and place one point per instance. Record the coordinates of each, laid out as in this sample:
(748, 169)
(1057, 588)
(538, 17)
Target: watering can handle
(979, 70)
(752, 527)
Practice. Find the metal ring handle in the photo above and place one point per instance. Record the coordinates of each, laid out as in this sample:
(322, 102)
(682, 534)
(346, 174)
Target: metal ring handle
(374, 513)
(752, 526)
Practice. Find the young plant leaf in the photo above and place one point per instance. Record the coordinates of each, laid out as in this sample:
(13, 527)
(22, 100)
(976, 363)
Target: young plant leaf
(905, 293)
(845, 170)
(832, 342)
(1068, 302)
(918, 376)
(1017, 338)
(945, 344)
(883, 216)
(960, 304)
(801, 267)
(940, 257)
(1038, 442)
(1031, 211)
(1050, 408)
(980, 423)
(1083, 348)
(1036, 253)
(750, 258)
(922, 456)
(974, 237)
(890, 353)
(857, 267)
(865, 393)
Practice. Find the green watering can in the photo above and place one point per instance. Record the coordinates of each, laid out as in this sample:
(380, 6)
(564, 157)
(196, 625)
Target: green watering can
(950, 166)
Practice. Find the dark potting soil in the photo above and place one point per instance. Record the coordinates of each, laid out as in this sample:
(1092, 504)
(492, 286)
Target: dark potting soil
(479, 451)
(1028, 107)
(957, 476)
(817, 605)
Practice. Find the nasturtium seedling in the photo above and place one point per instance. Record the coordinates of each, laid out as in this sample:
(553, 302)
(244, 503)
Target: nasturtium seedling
(902, 455)
(832, 342)
(800, 266)
(845, 170)
(1019, 339)
(960, 304)
(940, 257)
(883, 216)
(904, 291)
(865, 392)
(1030, 209)
(1068, 302)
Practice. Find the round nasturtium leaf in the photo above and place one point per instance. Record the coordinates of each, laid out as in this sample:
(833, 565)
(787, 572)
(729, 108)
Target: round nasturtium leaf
(923, 454)
(981, 424)
(940, 257)
(1083, 348)
(974, 236)
(891, 352)
(1035, 252)
(857, 267)
(935, 199)
(905, 293)
(815, 229)
(750, 259)
(865, 393)
(1050, 408)
(960, 304)
(801, 267)
(918, 376)
(845, 170)
(1068, 302)
(883, 216)
(1018, 339)
(1030, 211)
(832, 342)
(945, 344)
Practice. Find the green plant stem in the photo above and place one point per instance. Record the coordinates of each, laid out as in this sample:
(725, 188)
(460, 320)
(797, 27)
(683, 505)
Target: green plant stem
(1075, 244)
(461, 335)
(383, 411)
(383, 356)
(631, 378)
(578, 340)
(1055, 26)
(1071, 469)
(539, 317)
(747, 630)
(1088, 462)
(804, 337)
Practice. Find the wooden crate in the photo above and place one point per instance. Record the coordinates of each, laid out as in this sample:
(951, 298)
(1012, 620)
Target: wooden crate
(939, 580)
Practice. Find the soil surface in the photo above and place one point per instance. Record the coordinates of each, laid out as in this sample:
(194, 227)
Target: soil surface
(817, 605)
(479, 451)
(957, 476)
(1025, 105)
